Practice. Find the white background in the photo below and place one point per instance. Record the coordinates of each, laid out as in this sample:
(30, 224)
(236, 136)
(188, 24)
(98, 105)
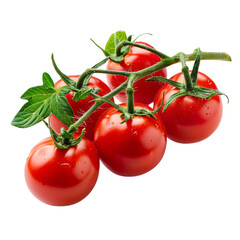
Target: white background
(193, 193)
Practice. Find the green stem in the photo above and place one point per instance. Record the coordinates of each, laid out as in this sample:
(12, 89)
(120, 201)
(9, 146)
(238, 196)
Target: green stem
(97, 104)
(98, 98)
(185, 71)
(188, 80)
(91, 71)
(196, 65)
(125, 43)
(140, 74)
(209, 56)
(130, 95)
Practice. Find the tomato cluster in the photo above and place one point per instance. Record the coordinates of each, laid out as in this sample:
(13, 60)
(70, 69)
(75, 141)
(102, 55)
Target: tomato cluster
(63, 169)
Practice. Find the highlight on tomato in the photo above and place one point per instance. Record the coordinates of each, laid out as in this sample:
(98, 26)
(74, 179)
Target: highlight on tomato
(133, 147)
(192, 106)
(136, 59)
(62, 177)
(127, 55)
(130, 138)
(189, 119)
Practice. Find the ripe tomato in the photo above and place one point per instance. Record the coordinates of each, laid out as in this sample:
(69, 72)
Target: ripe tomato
(131, 148)
(136, 59)
(79, 108)
(62, 177)
(189, 119)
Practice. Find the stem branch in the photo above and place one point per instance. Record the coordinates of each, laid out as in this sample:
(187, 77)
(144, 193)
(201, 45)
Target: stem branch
(125, 43)
(185, 71)
(140, 74)
(91, 71)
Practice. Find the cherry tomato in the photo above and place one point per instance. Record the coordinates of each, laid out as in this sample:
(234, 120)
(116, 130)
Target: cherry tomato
(79, 108)
(62, 177)
(131, 148)
(189, 119)
(136, 59)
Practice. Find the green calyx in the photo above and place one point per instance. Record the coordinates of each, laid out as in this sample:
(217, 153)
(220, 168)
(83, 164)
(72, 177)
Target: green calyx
(137, 112)
(111, 46)
(189, 88)
(65, 139)
(118, 45)
(126, 115)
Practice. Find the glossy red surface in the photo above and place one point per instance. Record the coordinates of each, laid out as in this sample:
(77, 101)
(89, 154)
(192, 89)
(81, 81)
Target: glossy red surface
(136, 59)
(189, 119)
(62, 177)
(79, 108)
(131, 148)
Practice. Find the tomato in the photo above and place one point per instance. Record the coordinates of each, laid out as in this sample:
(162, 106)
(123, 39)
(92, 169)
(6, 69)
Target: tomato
(190, 119)
(62, 177)
(79, 108)
(136, 59)
(131, 148)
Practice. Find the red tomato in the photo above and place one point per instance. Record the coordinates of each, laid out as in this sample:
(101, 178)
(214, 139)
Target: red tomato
(136, 59)
(79, 108)
(62, 177)
(190, 119)
(131, 148)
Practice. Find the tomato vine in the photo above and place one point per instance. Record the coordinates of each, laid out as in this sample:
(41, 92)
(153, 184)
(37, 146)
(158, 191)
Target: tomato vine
(85, 94)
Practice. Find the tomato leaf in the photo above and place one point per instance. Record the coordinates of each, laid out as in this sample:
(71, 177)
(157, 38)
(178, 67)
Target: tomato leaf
(47, 80)
(61, 108)
(30, 114)
(42, 101)
(114, 39)
(38, 106)
(38, 93)
(82, 94)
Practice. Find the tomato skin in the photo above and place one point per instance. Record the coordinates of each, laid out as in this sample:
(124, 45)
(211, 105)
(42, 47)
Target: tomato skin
(79, 108)
(190, 119)
(136, 59)
(131, 148)
(62, 177)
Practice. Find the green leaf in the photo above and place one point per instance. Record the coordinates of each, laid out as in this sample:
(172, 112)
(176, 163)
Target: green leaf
(38, 106)
(38, 92)
(47, 80)
(30, 114)
(114, 39)
(42, 100)
(81, 94)
(61, 108)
